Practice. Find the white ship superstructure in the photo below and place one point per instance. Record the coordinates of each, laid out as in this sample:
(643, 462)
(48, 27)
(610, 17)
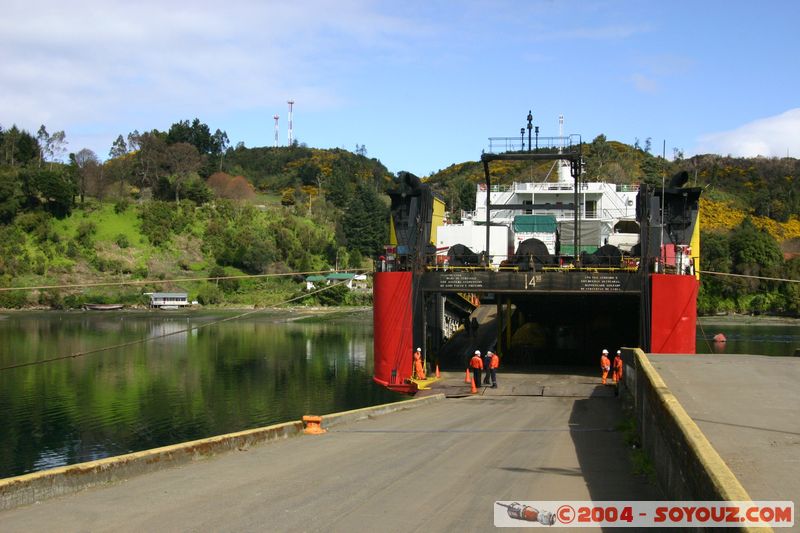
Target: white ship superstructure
(607, 214)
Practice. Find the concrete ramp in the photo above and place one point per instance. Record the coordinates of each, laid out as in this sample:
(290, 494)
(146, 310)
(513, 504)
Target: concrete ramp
(453, 385)
(438, 467)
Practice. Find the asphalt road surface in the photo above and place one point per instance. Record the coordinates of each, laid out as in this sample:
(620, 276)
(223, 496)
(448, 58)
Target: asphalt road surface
(439, 467)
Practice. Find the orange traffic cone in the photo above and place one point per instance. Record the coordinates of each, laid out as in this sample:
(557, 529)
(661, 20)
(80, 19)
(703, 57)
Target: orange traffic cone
(467, 378)
(437, 372)
(474, 389)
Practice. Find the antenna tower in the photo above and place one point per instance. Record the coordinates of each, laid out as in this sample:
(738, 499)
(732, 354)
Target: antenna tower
(291, 133)
(276, 117)
(564, 167)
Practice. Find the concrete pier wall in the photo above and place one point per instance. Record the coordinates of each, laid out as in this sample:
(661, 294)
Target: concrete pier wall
(686, 465)
(39, 486)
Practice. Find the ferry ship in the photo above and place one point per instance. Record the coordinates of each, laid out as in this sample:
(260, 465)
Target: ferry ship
(555, 270)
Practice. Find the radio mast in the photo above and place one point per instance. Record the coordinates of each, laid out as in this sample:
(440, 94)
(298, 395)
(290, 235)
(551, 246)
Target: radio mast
(291, 133)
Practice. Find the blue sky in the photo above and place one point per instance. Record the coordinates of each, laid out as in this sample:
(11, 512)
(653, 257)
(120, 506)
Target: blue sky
(422, 84)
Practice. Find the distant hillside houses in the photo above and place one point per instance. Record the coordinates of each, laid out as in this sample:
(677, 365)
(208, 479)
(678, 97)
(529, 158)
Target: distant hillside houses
(351, 280)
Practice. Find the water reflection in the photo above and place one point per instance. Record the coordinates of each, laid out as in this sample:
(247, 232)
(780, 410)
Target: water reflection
(760, 338)
(225, 377)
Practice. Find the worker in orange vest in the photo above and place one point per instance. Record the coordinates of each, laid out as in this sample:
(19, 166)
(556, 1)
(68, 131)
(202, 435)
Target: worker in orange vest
(487, 363)
(605, 365)
(476, 364)
(419, 369)
(493, 368)
(618, 367)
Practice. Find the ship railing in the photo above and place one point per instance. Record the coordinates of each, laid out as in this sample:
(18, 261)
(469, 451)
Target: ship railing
(514, 263)
(570, 144)
(616, 214)
(500, 215)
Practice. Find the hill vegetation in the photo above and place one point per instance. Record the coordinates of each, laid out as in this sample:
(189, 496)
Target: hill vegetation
(184, 204)
(177, 205)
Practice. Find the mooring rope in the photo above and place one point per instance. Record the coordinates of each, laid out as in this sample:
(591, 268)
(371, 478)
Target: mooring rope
(176, 280)
(748, 276)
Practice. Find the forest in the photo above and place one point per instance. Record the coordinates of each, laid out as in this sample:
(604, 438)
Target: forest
(183, 203)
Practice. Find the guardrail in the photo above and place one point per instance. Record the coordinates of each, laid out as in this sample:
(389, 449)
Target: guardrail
(514, 263)
(570, 144)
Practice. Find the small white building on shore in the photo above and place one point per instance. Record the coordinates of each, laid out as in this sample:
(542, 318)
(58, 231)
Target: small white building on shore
(168, 300)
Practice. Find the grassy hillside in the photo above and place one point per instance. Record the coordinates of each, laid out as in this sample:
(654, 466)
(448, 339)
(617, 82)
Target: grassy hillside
(101, 243)
(168, 206)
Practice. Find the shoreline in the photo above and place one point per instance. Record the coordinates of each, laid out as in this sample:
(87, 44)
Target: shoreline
(748, 320)
(295, 313)
(313, 311)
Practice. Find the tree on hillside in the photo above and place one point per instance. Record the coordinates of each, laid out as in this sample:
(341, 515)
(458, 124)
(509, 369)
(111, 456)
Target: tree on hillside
(87, 169)
(53, 189)
(218, 182)
(116, 171)
(133, 141)
(716, 257)
(42, 137)
(151, 158)
(118, 148)
(182, 160)
(654, 170)
(18, 147)
(239, 188)
(196, 190)
(221, 145)
(365, 222)
(754, 253)
(197, 134)
(10, 196)
(55, 145)
(600, 154)
(459, 194)
(309, 173)
(791, 291)
(754, 249)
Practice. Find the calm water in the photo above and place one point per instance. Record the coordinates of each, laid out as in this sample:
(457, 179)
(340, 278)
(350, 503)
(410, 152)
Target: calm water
(759, 338)
(236, 375)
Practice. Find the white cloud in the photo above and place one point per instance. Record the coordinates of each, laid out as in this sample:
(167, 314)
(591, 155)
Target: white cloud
(599, 33)
(644, 84)
(768, 137)
(93, 65)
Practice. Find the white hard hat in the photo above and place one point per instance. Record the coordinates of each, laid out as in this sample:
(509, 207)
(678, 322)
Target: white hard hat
(477, 352)
(605, 351)
(619, 352)
(419, 349)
